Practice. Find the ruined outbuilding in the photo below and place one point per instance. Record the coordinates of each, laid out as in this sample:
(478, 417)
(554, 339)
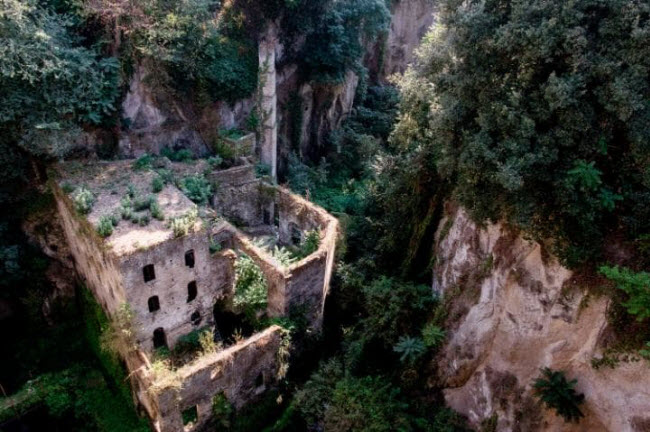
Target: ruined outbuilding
(173, 264)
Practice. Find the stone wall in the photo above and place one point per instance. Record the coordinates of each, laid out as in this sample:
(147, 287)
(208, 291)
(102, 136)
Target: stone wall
(92, 261)
(213, 274)
(235, 371)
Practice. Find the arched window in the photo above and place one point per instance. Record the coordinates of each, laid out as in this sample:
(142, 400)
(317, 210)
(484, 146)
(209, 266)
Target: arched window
(159, 338)
(154, 304)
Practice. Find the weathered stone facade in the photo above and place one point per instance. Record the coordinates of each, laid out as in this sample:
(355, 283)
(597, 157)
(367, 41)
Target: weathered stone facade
(172, 283)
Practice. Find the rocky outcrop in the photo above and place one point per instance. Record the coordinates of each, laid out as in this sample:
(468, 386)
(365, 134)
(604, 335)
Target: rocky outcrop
(152, 119)
(515, 309)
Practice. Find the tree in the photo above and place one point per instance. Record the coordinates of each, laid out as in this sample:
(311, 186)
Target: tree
(531, 112)
(635, 285)
(556, 392)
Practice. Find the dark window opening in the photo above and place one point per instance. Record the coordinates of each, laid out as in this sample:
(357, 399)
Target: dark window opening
(159, 338)
(148, 272)
(191, 291)
(196, 318)
(267, 217)
(228, 324)
(190, 415)
(296, 235)
(259, 381)
(154, 304)
(189, 258)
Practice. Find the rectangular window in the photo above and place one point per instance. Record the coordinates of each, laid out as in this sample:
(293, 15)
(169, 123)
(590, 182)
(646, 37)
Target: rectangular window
(148, 272)
(191, 291)
(190, 416)
(189, 258)
(267, 217)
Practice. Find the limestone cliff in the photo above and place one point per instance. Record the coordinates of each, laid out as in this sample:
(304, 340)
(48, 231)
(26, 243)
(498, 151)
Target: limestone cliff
(516, 310)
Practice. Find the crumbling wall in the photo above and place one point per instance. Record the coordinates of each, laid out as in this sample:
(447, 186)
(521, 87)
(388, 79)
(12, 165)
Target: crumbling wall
(92, 261)
(235, 176)
(213, 274)
(235, 371)
(240, 204)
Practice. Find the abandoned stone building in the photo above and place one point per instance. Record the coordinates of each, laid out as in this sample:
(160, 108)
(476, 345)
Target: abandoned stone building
(174, 265)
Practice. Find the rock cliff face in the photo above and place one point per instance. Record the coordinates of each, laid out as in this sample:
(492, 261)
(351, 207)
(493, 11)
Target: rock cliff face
(515, 310)
(410, 20)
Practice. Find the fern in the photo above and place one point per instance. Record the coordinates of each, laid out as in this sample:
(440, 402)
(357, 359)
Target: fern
(556, 392)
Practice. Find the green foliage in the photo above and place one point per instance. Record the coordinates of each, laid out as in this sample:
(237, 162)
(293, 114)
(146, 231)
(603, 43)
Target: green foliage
(83, 200)
(215, 162)
(222, 411)
(556, 392)
(410, 349)
(156, 211)
(496, 108)
(368, 403)
(334, 45)
(645, 353)
(181, 225)
(190, 416)
(157, 184)
(251, 289)
(635, 285)
(144, 162)
(309, 244)
(50, 83)
(182, 155)
(228, 68)
(433, 336)
(105, 226)
(197, 188)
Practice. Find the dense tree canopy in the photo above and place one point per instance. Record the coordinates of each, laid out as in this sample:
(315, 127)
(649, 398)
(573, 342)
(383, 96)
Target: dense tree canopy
(535, 111)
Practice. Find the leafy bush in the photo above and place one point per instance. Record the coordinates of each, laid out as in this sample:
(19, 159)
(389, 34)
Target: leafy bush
(143, 203)
(181, 225)
(197, 188)
(556, 392)
(156, 211)
(410, 349)
(433, 336)
(334, 45)
(222, 411)
(83, 200)
(105, 226)
(157, 184)
(309, 244)
(635, 285)
(215, 162)
(144, 162)
(251, 289)
(182, 155)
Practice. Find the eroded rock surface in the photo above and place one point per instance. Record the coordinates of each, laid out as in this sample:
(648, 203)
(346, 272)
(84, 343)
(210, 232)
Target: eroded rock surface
(516, 311)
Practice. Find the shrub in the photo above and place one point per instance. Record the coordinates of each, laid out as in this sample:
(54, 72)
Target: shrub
(635, 285)
(556, 392)
(197, 188)
(410, 349)
(215, 162)
(183, 155)
(310, 243)
(83, 200)
(251, 290)
(433, 336)
(222, 411)
(143, 203)
(157, 184)
(181, 225)
(156, 211)
(105, 226)
(144, 162)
